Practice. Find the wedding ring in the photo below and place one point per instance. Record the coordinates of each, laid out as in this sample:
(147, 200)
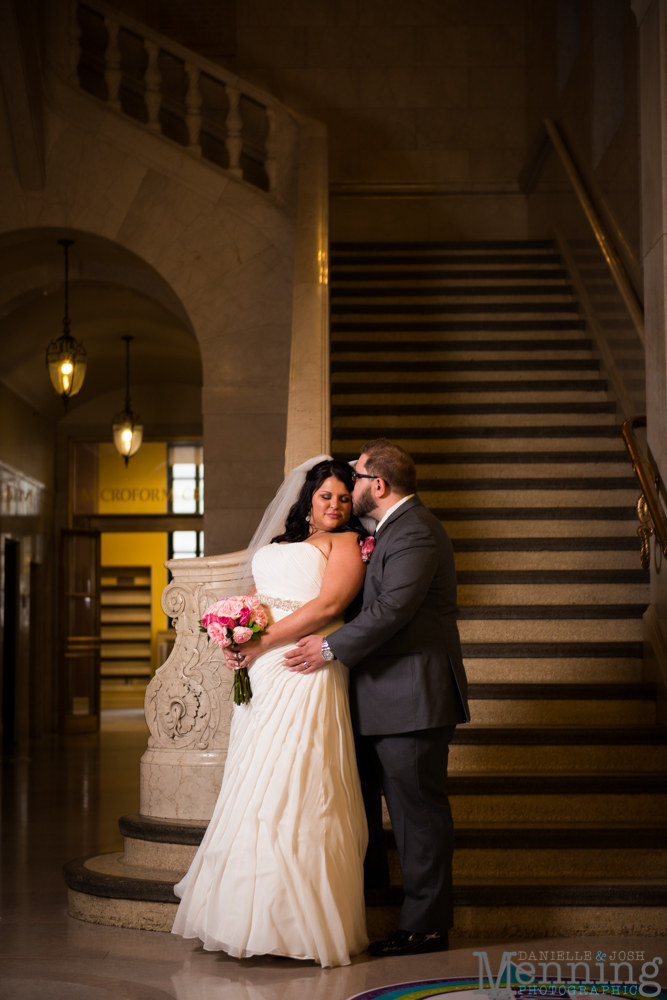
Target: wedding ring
(305, 663)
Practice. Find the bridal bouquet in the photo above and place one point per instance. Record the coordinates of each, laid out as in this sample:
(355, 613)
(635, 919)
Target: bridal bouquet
(235, 620)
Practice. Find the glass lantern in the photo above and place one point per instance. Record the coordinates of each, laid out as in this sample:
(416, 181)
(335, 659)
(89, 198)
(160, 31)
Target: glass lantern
(66, 361)
(128, 432)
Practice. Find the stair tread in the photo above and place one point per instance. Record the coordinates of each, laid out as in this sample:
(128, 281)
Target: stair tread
(524, 735)
(549, 611)
(585, 691)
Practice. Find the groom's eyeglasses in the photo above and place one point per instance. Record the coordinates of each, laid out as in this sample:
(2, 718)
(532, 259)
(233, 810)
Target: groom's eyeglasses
(362, 475)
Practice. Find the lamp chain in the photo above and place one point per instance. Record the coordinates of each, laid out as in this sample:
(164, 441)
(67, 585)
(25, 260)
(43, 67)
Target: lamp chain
(66, 244)
(127, 340)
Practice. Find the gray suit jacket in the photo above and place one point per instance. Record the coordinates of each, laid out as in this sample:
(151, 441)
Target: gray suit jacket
(403, 647)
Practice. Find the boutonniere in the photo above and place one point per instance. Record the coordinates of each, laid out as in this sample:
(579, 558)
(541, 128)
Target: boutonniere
(367, 546)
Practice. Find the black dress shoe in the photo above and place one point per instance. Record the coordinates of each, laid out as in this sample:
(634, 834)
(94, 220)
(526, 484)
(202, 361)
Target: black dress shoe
(410, 943)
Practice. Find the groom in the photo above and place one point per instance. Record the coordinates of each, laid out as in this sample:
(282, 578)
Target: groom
(408, 691)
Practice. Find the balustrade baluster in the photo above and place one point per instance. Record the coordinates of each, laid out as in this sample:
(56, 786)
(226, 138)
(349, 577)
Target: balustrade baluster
(112, 63)
(234, 124)
(74, 41)
(270, 164)
(152, 81)
(193, 103)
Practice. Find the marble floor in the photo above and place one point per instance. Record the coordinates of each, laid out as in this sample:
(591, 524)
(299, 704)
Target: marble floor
(61, 799)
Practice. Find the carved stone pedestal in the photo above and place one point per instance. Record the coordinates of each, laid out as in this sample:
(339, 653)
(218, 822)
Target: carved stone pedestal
(188, 712)
(188, 704)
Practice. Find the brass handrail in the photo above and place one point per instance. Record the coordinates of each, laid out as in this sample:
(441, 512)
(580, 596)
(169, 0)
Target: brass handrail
(649, 508)
(604, 241)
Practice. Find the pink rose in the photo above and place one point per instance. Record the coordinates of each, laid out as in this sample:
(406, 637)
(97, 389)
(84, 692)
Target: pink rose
(234, 606)
(242, 634)
(209, 619)
(258, 612)
(219, 635)
(245, 616)
(367, 547)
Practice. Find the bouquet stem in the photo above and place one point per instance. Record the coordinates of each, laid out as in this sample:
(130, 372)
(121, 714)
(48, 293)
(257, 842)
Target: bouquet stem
(242, 689)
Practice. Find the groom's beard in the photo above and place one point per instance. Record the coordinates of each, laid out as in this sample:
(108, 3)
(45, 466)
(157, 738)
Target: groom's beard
(363, 504)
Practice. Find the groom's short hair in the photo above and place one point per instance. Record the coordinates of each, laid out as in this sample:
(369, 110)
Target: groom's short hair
(392, 463)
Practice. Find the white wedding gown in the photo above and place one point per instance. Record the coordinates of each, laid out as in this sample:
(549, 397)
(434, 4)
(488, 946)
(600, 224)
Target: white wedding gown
(280, 868)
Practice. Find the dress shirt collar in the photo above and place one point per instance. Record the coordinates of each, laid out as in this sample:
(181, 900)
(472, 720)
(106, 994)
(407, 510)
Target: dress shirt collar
(392, 509)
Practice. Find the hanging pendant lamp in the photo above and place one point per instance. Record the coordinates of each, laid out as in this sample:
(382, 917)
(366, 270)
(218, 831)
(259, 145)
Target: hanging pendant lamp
(66, 357)
(128, 431)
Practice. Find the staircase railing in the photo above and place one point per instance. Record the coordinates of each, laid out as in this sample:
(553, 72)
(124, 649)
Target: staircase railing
(653, 522)
(207, 110)
(550, 138)
(649, 509)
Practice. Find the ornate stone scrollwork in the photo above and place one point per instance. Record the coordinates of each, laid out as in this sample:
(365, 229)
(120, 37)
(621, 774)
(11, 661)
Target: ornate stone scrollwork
(187, 702)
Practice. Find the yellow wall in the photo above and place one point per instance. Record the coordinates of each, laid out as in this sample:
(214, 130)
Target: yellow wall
(141, 548)
(141, 488)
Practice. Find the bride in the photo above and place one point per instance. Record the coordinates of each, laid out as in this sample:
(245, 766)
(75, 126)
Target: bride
(280, 868)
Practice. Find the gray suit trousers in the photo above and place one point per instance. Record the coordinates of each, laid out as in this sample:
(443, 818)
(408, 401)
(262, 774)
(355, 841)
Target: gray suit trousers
(412, 768)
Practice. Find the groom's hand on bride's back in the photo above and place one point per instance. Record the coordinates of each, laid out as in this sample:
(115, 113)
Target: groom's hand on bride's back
(306, 657)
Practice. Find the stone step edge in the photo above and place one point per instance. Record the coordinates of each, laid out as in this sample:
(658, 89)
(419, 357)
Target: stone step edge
(509, 691)
(618, 893)
(499, 735)
(550, 612)
(147, 828)
(418, 246)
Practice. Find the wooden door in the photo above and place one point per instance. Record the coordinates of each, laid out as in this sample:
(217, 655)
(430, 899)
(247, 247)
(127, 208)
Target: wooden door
(80, 631)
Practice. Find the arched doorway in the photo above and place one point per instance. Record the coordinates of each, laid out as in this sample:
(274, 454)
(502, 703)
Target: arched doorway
(71, 508)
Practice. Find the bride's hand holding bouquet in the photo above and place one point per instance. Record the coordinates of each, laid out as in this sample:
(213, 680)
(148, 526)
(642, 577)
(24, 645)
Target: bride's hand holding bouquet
(235, 620)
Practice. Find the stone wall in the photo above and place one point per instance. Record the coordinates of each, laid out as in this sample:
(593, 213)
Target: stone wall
(423, 100)
(582, 72)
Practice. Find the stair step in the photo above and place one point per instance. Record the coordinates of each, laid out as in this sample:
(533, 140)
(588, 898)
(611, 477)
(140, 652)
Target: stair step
(558, 736)
(451, 259)
(473, 409)
(443, 308)
(597, 513)
(616, 543)
(574, 670)
(566, 863)
(547, 561)
(513, 365)
(597, 692)
(531, 577)
(561, 758)
(541, 273)
(465, 386)
(500, 893)
(363, 434)
(522, 612)
(446, 291)
(81, 877)
(416, 246)
(521, 629)
(458, 326)
(360, 346)
(570, 712)
(558, 784)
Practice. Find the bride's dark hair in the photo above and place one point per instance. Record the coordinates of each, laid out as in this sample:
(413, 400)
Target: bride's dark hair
(297, 526)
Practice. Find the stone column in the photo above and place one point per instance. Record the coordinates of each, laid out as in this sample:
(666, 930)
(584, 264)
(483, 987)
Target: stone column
(652, 21)
(308, 420)
(188, 708)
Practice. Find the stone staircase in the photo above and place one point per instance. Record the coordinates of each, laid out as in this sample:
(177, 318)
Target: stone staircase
(474, 357)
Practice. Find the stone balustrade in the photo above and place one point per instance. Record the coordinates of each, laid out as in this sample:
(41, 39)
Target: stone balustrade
(188, 705)
(208, 111)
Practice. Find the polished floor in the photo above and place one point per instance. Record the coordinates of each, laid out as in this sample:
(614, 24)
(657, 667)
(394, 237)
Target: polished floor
(61, 799)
